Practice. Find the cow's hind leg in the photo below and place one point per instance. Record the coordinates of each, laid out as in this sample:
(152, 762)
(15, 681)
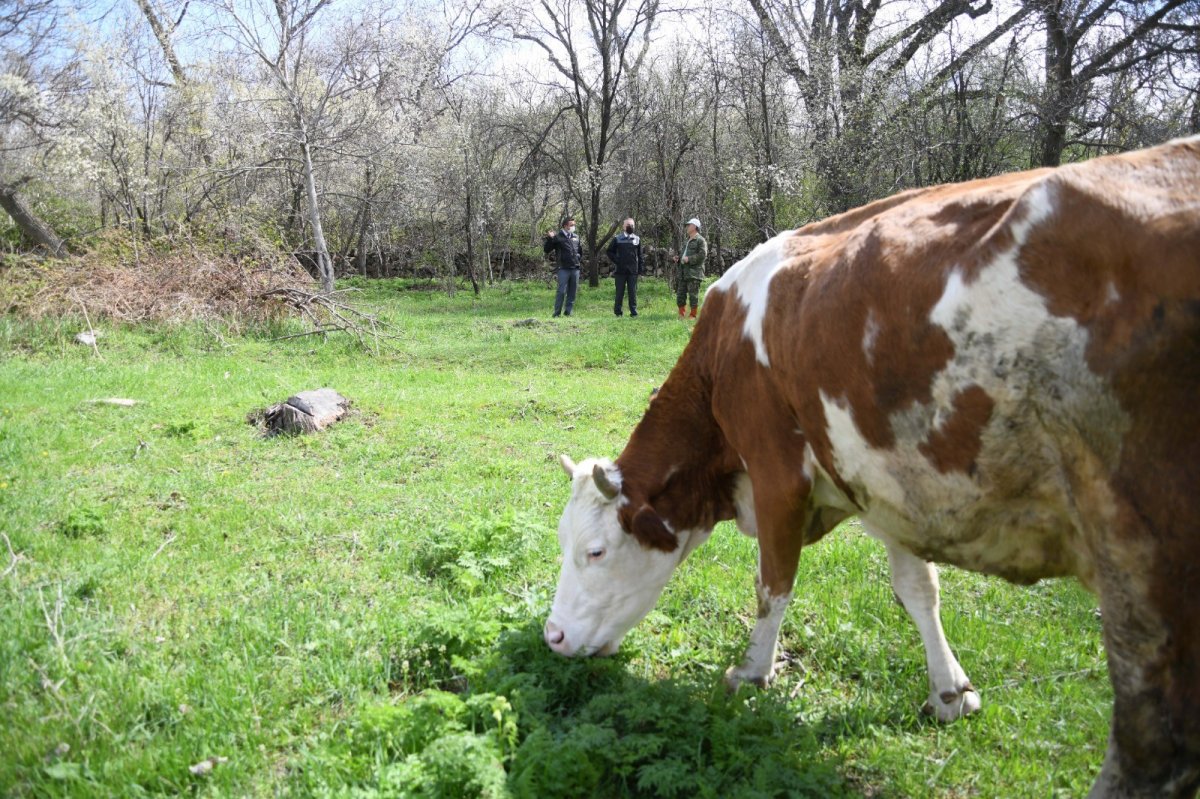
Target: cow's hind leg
(1152, 638)
(915, 582)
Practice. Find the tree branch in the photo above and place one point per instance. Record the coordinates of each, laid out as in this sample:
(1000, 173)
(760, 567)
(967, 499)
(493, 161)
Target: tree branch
(1137, 34)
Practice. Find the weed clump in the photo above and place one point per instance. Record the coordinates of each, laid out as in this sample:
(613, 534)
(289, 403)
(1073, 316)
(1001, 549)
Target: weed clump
(471, 555)
(83, 522)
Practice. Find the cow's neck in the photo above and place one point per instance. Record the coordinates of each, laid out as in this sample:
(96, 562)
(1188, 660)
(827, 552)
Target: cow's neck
(677, 459)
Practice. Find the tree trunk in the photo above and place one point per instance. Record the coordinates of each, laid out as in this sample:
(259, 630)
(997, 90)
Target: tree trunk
(766, 195)
(164, 41)
(1195, 118)
(471, 241)
(360, 253)
(292, 224)
(1057, 107)
(325, 264)
(1054, 141)
(594, 239)
(32, 226)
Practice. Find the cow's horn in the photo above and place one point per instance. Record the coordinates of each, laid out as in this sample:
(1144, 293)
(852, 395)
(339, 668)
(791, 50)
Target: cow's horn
(605, 485)
(567, 464)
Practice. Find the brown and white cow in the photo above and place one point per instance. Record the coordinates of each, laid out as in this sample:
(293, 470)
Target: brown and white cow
(1003, 375)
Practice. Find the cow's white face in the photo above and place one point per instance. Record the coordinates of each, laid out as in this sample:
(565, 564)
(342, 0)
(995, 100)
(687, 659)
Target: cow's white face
(609, 580)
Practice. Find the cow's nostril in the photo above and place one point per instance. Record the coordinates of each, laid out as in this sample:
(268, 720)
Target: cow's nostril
(554, 635)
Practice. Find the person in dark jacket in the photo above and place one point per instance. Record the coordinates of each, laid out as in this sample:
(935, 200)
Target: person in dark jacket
(625, 251)
(568, 256)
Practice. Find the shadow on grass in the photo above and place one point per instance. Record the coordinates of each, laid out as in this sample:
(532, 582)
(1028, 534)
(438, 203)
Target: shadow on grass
(589, 728)
(480, 711)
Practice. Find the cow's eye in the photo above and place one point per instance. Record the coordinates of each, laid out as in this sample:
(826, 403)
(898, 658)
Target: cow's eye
(594, 555)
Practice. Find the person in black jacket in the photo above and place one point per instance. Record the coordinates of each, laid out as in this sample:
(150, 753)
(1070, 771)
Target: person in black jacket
(568, 256)
(625, 251)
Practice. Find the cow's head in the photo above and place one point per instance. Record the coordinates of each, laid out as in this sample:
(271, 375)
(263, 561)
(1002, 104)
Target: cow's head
(616, 559)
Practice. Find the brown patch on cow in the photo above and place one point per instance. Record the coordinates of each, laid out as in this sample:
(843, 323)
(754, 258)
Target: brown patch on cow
(1127, 269)
(850, 269)
(955, 445)
(678, 460)
(1157, 718)
(648, 528)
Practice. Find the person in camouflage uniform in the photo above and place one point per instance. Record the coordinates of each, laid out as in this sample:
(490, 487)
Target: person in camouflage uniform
(691, 267)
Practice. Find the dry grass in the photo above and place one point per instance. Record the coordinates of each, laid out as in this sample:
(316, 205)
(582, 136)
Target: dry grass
(173, 281)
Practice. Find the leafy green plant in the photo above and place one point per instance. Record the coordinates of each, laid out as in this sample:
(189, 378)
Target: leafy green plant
(84, 522)
(472, 552)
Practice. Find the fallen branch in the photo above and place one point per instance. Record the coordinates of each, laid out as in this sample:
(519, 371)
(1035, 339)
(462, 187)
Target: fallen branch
(163, 545)
(54, 621)
(91, 330)
(328, 313)
(121, 401)
(13, 556)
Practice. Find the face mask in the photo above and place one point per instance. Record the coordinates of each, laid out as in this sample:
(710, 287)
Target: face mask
(629, 228)
(570, 228)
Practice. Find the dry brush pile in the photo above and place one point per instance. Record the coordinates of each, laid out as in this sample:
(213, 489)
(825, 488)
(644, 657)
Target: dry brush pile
(176, 280)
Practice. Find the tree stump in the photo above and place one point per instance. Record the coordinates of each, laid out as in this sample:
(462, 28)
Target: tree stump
(306, 412)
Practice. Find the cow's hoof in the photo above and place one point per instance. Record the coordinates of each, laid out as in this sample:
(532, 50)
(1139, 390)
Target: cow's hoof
(952, 705)
(737, 676)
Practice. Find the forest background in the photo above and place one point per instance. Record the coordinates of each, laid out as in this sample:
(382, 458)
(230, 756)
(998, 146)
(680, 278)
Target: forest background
(441, 140)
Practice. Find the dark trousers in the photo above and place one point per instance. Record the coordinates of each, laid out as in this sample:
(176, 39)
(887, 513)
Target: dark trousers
(568, 283)
(623, 282)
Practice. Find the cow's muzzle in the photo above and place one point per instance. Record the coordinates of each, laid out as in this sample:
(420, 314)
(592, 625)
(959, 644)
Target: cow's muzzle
(556, 639)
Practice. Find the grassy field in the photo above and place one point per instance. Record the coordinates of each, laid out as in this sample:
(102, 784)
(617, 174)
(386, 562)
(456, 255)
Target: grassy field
(359, 613)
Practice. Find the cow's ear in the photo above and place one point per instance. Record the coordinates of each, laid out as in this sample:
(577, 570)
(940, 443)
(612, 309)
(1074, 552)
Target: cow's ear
(651, 531)
(567, 464)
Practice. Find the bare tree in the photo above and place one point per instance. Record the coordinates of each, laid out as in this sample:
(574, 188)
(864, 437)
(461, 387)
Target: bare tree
(281, 38)
(34, 78)
(1087, 40)
(754, 80)
(841, 56)
(594, 59)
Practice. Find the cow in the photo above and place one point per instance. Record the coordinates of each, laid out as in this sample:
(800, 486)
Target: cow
(1002, 375)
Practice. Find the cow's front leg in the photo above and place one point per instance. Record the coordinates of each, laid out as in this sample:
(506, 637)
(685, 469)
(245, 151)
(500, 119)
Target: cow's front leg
(778, 525)
(758, 664)
(915, 583)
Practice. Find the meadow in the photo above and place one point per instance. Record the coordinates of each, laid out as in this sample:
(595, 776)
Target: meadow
(189, 608)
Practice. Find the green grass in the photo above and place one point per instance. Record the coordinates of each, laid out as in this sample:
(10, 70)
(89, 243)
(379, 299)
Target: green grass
(358, 613)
